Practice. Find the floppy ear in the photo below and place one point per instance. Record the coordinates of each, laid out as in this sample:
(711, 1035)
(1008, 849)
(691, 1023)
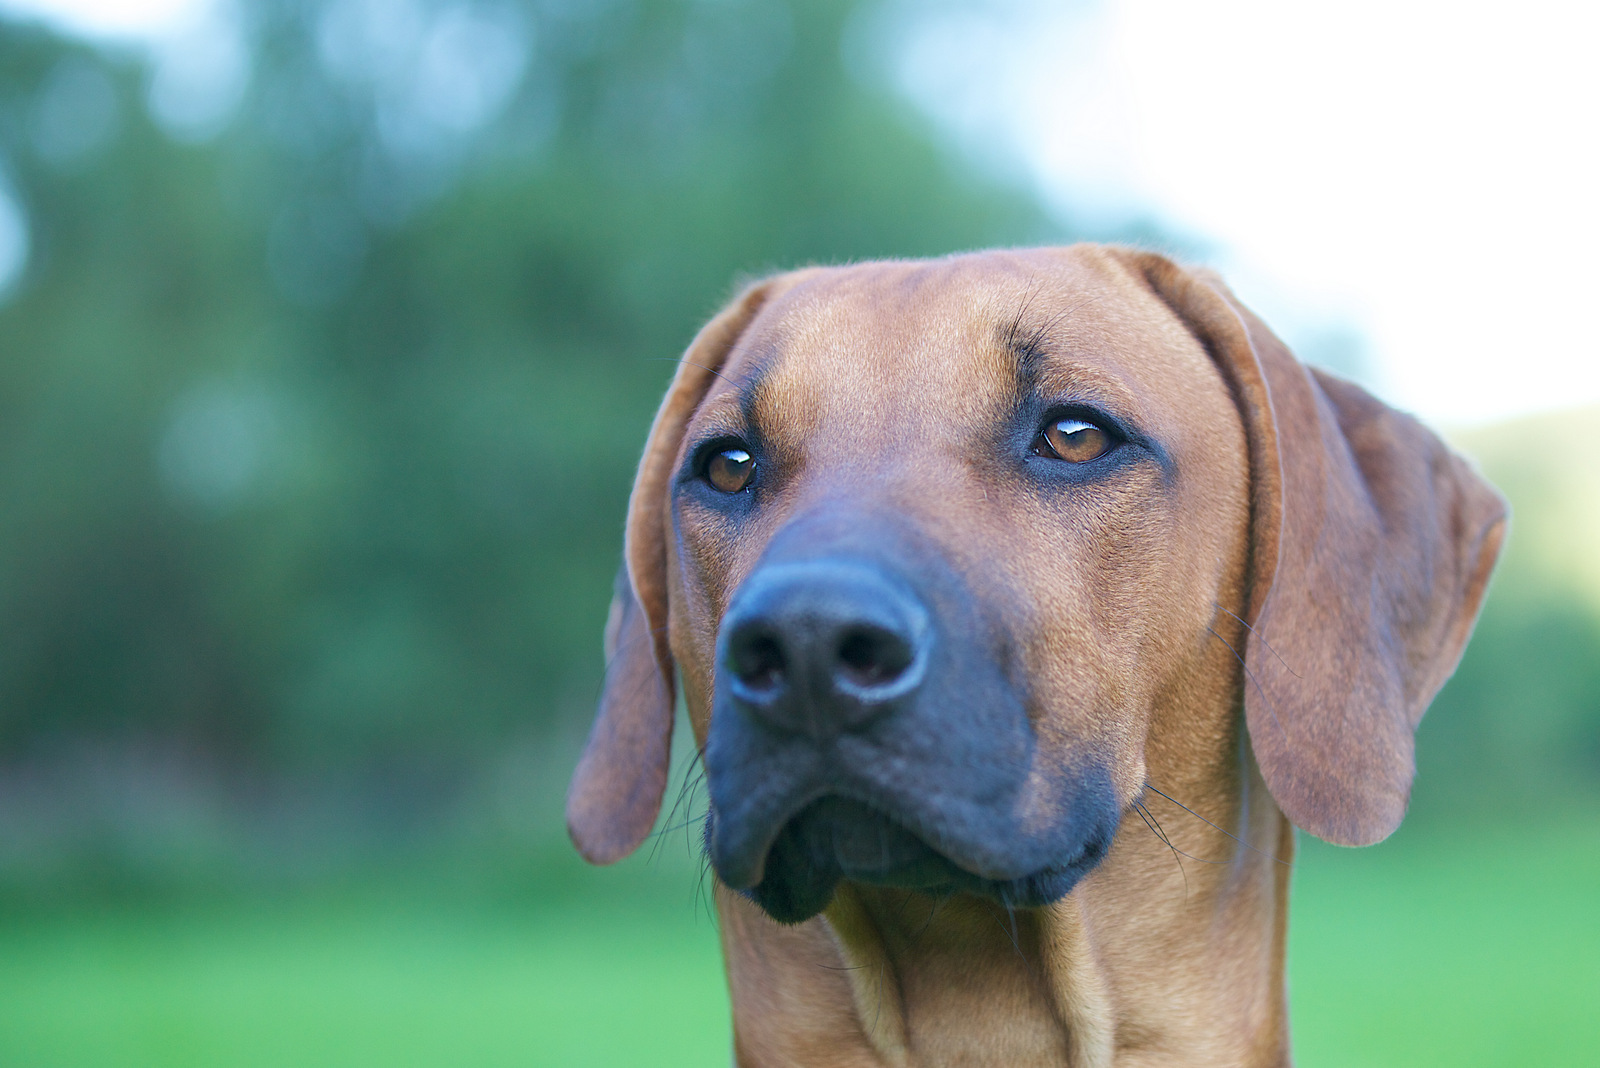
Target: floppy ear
(616, 790)
(1371, 547)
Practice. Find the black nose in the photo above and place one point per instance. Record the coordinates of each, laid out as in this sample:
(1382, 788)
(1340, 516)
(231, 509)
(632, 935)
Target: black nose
(822, 646)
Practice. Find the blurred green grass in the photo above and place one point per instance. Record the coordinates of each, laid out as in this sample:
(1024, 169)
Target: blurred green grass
(1463, 948)
(1467, 948)
(411, 983)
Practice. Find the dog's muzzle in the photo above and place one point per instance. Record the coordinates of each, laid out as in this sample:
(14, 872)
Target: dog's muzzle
(852, 739)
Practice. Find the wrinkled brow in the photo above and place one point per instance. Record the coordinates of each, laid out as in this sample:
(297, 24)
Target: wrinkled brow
(1027, 336)
(749, 368)
(725, 415)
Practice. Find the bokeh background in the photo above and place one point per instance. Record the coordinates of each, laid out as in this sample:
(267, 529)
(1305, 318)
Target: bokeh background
(329, 334)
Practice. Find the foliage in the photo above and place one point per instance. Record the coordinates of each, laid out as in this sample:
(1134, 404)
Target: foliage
(317, 438)
(1517, 729)
(316, 432)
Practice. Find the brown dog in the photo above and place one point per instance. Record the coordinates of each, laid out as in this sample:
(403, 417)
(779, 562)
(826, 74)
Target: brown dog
(1021, 601)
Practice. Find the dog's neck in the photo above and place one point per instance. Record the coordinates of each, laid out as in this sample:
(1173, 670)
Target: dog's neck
(1171, 952)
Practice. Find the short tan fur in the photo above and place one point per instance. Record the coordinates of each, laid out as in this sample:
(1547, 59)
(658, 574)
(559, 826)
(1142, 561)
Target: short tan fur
(1245, 625)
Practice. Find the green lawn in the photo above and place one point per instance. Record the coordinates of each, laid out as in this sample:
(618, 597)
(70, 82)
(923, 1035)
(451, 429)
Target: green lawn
(410, 984)
(1466, 950)
(1461, 950)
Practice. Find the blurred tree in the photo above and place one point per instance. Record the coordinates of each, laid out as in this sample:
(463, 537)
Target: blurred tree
(318, 433)
(338, 335)
(1516, 732)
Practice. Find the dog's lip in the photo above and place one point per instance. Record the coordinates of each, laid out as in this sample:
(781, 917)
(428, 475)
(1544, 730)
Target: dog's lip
(891, 862)
(744, 867)
(762, 815)
(952, 873)
(834, 840)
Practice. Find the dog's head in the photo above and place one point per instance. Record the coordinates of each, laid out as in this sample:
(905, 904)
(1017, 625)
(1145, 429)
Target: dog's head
(944, 550)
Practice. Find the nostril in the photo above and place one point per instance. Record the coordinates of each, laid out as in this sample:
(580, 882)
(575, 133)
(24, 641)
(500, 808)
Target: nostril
(870, 656)
(758, 662)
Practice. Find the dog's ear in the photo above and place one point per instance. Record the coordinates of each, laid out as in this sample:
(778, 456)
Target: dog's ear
(1371, 548)
(616, 790)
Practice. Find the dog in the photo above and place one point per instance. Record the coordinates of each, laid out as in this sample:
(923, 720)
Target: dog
(1022, 602)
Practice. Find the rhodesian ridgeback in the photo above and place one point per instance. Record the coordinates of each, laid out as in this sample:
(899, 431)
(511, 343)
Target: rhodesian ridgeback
(1022, 602)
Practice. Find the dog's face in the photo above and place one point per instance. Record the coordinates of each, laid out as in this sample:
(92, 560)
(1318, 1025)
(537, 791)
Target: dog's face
(949, 554)
(945, 533)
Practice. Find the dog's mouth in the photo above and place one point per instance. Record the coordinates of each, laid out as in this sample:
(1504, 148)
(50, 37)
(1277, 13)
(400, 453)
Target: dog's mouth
(835, 838)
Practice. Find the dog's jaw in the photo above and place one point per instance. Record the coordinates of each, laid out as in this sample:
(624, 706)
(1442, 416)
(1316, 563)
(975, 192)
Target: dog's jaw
(1143, 962)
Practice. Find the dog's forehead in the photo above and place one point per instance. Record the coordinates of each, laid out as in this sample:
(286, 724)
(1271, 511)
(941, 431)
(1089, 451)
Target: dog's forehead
(866, 353)
(873, 344)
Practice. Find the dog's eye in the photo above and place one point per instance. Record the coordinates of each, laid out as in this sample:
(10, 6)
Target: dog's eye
(1072, 440)
(729, 470)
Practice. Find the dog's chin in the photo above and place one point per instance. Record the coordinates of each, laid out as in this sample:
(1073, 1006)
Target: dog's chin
(835, 839)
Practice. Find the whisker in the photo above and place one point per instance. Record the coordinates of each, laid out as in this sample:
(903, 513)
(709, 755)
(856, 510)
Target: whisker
(1012, 338)
(1149, 821)
(702, 898)
(616, 656)
(1168, 840)
(1252, 677)
(1261, 639)
(1011, 931)
(1276, 859)
(900, 910)
(933, 911)
(691, 781)
(689, 363)
(877, 1000)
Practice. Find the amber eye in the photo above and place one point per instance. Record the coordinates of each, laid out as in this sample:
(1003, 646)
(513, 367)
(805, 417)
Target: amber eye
(730, 470)
(1074, 441)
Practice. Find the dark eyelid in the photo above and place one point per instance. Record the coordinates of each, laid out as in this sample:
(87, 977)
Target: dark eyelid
(1084, 413)
(1121, 428)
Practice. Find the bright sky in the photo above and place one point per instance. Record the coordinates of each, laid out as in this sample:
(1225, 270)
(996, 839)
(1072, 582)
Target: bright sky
(1427, 173)
(114, 19)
